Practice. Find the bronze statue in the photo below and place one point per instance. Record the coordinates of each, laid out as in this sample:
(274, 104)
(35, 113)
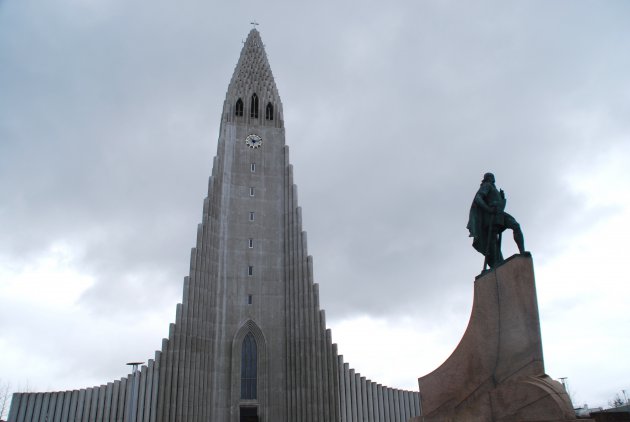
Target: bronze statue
(488, 220)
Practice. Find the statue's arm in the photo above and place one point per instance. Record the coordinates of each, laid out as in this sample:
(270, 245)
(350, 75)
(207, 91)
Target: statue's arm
(480, 201)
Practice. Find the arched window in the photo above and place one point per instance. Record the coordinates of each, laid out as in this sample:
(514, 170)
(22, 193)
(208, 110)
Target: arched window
(253, 107)
(249, 368)
(269, 112)
(238, 111)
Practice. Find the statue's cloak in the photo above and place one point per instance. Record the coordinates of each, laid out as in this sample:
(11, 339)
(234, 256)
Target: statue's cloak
(479, 220)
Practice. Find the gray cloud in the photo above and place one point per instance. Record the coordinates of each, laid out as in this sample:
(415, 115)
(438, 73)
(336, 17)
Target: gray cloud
(110, 112)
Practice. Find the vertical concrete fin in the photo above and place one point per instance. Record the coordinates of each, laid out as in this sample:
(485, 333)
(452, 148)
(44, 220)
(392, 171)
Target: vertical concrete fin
(405, 402)
(100, 403)
(186, 294)
(43, 414)
(80, 405)
(396, 405)
(121, 415)
(39, 397)
(315, 289)
(199, 240)
(324, 372)
(342, 386)
(349, 393)
(337, 388)
(295, 202)
(53, 399)
(368, 400)
(165, 379)
(304, 238)
(206, 207)
(353, 395)
(285, 150)
(91, 400)
(191, 337)
(175, 366)
(155, 387)
(362, 397)
(16, 401)
(139, 393)
(144, 402)
(108, 401)
(214, 171)
(72, 406)
(21, 410)
(290, 186)
(56, 406)
(381, 403)
(182, 358)
(294, 299)
(305, 325)
(26, 398)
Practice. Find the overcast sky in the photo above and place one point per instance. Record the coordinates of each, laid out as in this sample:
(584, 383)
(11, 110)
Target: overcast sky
(109, 118)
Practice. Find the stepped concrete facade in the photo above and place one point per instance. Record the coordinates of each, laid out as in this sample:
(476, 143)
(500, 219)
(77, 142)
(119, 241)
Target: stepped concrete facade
(249, 342)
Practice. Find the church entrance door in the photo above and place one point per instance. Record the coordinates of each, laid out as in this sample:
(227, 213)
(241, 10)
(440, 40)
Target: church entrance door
(249, 414)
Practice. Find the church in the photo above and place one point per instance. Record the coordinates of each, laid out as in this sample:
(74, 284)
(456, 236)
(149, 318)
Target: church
(249, 342)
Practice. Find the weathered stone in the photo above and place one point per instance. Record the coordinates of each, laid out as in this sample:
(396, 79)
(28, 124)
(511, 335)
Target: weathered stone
(497, 372)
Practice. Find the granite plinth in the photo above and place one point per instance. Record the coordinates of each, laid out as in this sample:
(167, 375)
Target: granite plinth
(497, 371)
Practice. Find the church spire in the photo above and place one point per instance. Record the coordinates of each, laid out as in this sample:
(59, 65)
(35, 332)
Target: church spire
(252, 96)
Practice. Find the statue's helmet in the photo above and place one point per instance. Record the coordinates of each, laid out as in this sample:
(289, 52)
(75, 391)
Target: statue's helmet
(488, 177)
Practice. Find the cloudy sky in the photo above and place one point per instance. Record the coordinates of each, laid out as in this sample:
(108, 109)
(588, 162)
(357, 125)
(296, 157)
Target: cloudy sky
(109, 117)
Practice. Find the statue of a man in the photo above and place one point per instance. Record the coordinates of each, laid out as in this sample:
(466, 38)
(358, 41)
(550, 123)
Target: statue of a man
(488, 220)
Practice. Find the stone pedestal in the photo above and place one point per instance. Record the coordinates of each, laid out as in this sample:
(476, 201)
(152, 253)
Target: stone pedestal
(497, 371)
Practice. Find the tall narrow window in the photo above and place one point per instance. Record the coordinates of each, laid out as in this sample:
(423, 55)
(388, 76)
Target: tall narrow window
(250, 299)
(269, 112)
(251, 216)
(253, 107)
(249, 368)
(250, 270)
(252, 167)
(251, 243)
(238, 111)
(251, 191)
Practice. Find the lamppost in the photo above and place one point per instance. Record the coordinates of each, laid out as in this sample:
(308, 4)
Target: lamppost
(133, 406)
(563, 380)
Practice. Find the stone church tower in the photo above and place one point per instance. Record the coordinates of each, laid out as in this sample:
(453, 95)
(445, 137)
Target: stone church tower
(249, 342)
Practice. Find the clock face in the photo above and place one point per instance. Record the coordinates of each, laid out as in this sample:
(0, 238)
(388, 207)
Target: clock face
(253, 141)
